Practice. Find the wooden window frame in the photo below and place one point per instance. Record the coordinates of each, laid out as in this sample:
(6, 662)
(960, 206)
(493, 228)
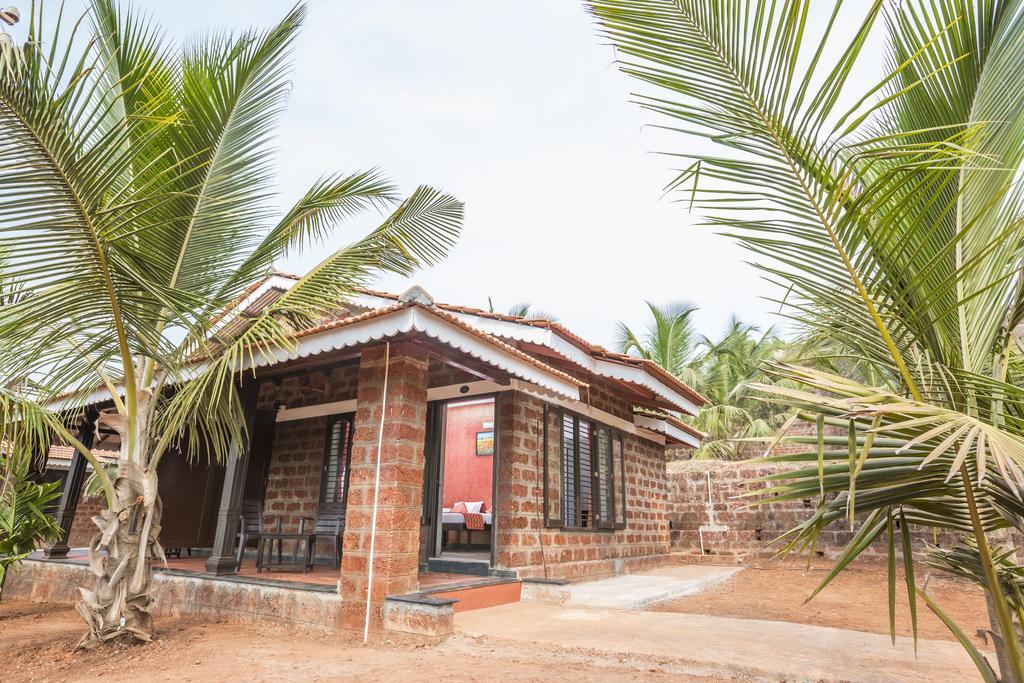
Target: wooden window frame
(347, 450)
(601, 520)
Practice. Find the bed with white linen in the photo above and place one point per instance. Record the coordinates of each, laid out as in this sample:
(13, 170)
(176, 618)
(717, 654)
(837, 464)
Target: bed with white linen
(456, 521)
(448, 517)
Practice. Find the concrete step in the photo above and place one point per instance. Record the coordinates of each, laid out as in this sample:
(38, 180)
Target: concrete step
(479, 594)
(442, 565)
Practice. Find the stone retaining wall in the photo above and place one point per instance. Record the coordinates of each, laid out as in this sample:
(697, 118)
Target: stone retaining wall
(177, 595)
(748, 528)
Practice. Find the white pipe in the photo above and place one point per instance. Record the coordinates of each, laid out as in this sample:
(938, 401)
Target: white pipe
(376, 489)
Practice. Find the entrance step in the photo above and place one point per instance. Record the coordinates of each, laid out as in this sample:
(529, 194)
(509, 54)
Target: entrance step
(444, 565)
(477, 593)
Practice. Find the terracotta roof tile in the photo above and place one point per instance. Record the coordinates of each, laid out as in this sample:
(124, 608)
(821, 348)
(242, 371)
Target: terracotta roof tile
(67, 452)
(575, 339)
(491, 339)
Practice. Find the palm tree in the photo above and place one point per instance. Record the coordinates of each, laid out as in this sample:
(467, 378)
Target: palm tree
(670, 340)
(733, 412)
(718, 369)
(891, 215)
(523, 310)
(136, 182)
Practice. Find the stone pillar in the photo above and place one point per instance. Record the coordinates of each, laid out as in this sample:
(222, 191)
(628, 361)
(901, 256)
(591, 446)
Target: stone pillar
(222, 556)
(396, 549)
(72, 491)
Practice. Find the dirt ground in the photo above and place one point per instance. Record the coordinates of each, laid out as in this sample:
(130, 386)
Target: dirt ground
(857, 599)
(36, 640)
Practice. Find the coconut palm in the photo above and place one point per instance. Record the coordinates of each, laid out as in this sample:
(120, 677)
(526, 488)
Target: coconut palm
(891, 217)
(718, 369)
(137, 193)
(523, 310)
(734, 413)
(670, 340)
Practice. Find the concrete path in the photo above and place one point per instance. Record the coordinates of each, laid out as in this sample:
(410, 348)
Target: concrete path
(726, 647)
(638, 591)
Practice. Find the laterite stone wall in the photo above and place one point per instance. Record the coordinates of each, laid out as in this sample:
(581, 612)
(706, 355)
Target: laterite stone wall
(526, 546)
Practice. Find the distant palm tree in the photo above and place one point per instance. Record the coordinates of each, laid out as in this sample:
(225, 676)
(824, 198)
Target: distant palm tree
(669, 340)
(718, 369)
(727, 367)
(523, 310)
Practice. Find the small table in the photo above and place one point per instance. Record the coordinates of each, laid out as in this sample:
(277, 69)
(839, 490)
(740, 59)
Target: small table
(266, 547)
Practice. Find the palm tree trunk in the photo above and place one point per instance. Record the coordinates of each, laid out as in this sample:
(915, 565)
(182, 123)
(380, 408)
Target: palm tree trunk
(120, 555)
(1008, 646)
(1002, 656)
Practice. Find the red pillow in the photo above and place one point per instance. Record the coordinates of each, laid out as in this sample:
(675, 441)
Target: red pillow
(460, 507)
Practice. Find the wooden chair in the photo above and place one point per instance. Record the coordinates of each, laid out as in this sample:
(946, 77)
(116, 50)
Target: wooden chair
(251, 527)
(331, 525)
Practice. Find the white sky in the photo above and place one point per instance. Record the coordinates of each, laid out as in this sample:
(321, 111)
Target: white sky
(517, 109)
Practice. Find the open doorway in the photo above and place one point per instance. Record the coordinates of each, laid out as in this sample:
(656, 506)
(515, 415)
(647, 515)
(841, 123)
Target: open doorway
(465, 446)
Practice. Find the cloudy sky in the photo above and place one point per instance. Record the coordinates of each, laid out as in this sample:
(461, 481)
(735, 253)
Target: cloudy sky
(517, 109)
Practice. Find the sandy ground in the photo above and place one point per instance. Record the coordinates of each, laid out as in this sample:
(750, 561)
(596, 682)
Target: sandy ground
(857, 599)
(36, 640)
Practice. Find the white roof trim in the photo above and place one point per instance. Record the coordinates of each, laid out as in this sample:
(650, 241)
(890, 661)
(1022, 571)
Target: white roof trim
(379, 328)
(417, 319)
(591, 412)
(542, 336)
(665, 427)
(599, 366)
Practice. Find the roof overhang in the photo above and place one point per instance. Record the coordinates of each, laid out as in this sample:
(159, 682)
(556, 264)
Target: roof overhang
(667, 428)
(399, 321)
(606, 368)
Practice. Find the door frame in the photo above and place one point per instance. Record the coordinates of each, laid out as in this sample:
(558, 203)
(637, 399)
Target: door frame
(434, 464)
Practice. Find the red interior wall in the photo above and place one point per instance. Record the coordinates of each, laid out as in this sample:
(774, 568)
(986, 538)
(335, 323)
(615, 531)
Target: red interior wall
(467, 476)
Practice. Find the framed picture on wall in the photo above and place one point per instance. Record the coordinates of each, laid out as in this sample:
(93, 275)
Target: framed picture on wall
(485, 442)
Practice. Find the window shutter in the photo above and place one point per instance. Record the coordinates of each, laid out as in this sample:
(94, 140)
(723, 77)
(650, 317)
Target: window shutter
(605, 483)
(553, 504)
(334, 479)
(570, 507)
(619, 470)
(586, 475)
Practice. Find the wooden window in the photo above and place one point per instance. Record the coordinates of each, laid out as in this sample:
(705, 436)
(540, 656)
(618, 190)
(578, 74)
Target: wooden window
(553, 467)
(605, 485)
(581, 490)
(569, 471)
(337, 457)
(618, 476)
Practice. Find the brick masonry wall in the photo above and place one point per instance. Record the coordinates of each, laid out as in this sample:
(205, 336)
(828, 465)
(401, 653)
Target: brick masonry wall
(82, 527)
(337, 384)
(399, 497)
(522, 542)
(749, 527)
(296, 464)
(293, 477)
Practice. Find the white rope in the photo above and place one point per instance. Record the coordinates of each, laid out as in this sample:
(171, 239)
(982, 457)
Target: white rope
(376, 489)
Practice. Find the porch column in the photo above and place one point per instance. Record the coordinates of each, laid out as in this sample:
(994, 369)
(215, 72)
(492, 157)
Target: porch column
(68, 505)
(222, 557)
(396, 546)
